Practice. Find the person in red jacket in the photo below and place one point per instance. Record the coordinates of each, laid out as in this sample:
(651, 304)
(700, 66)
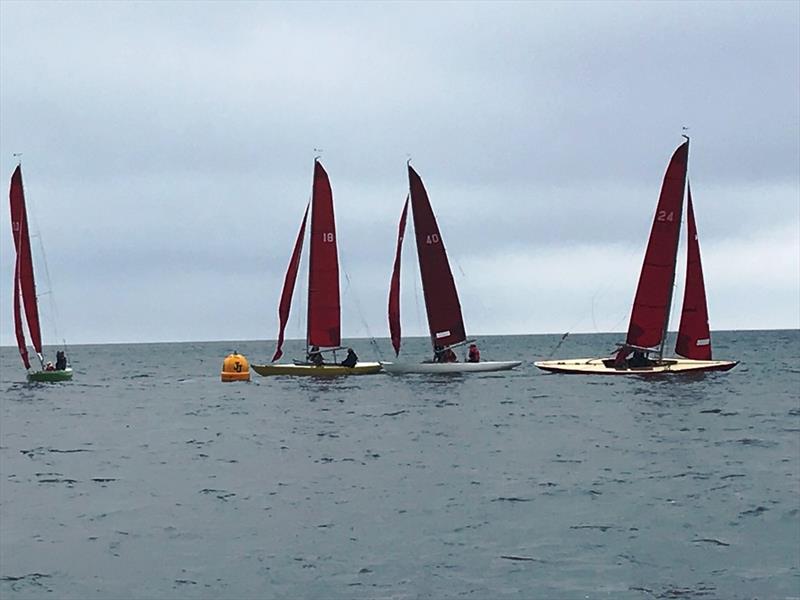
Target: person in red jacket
(474, 354)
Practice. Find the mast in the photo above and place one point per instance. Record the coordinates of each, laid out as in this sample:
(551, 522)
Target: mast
(653, 300)
(324, 309)
(674, 260)
(24, 277)
(445, 321)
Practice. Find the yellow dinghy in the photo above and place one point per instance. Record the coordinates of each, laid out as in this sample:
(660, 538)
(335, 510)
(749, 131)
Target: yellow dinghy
(309, 370)
(323, 325)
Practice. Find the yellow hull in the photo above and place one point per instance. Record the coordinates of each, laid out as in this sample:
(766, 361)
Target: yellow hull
(362, 368)
(604, 366)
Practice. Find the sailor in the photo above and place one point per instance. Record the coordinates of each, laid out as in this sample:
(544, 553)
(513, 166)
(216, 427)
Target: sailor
(61, 360)
(350, 360)
(449, 356)
(474, 354)
(639, 360)
(314, 356)
(438, 354)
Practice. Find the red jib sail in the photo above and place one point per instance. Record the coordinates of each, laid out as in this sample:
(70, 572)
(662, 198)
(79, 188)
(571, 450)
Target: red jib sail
(441, 298)
(654, 294)
(324, 319)
(18, 330)
(394, 288)
(23, 272)
(288, 286)
(694, 336)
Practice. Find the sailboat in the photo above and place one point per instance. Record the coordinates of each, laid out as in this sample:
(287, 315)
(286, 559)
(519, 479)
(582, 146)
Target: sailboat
(25, 292)
(442, 305)
(643, 350)
(323, 333)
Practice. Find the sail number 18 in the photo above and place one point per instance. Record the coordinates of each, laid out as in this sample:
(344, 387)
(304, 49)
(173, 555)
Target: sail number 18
(327, 237)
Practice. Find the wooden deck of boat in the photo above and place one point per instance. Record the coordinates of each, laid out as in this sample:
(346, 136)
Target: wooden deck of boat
(598, 366)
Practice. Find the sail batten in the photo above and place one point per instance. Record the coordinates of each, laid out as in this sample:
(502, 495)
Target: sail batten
(652, 302)
(445, 320)
(324, 310)
(24, 282)
(285, 304)
(394, 288)
(694, 335)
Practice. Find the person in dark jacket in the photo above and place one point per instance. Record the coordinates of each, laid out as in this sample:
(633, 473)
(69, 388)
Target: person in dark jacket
(350, 360)
(61, 360)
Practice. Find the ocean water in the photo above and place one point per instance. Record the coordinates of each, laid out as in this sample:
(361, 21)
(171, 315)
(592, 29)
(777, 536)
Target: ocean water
(146, 477)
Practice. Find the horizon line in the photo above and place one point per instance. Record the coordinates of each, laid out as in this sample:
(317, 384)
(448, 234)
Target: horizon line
(216, 341)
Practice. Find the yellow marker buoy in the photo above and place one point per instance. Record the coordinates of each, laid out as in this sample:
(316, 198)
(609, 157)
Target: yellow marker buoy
(235, 368)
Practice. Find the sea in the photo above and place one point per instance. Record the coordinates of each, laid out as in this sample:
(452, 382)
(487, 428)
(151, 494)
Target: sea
(147, 477)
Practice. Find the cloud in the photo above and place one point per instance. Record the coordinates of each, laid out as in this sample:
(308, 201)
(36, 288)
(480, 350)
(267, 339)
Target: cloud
(168, 152)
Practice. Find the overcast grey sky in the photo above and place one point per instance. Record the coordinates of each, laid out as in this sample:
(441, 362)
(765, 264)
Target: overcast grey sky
(168, 151)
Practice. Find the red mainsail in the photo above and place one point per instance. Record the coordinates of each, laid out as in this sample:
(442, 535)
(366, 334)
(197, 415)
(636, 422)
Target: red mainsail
(394, 288)
(288, 286)
(23, 272)
(694, 336)
(651, 305)
(441, 298)
(324, 319)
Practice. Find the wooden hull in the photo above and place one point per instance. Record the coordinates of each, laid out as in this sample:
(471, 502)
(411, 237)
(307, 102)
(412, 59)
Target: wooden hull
(443, 368)
(361, 368)
(50, 376)
(604, 366)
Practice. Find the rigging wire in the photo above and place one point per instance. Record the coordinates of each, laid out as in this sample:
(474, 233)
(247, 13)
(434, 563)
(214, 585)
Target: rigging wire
(53, 317)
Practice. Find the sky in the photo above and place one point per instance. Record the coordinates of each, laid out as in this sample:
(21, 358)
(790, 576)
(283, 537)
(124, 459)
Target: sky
(168, 149)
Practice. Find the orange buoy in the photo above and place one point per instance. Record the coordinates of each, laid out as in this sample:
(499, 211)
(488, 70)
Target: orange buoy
(235, 368)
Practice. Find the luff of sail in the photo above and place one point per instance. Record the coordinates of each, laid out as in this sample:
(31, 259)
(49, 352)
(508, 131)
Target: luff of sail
(694, 335)
(324, 312)
(289, 281)
(654, 293)
(24, 283)
(445, 321)
(394, 287)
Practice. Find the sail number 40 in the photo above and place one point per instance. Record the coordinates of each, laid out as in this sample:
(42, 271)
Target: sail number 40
(665, 216)
(432, 239)
(327, 237)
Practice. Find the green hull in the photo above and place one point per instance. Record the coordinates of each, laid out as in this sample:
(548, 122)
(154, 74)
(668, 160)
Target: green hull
(50, 376)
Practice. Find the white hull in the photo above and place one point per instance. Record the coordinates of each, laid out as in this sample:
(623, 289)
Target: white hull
(456, 367)
(604, 366)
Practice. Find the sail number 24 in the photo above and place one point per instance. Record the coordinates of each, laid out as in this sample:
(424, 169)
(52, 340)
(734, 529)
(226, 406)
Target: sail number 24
(665, 216)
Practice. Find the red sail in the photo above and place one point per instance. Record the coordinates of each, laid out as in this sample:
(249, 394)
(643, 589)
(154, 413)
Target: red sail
(441, 298)
(694, 336)
(394, 289)
(324, 322)
(654, 295)
(24, 268)
(18, 330)
(288, 287)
